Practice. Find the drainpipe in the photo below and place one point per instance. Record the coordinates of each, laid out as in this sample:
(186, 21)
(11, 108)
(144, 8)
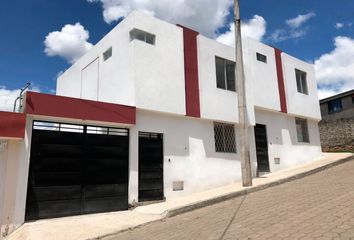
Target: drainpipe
(20, 97)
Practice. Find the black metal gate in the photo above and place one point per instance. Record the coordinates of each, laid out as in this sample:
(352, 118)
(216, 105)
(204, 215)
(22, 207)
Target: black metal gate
(150, 166)
(260, 133)
(76, 169)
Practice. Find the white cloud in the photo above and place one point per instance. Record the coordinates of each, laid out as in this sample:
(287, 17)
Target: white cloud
(334, 70)
(253, 28)
(7, 98)
(300, 19)
(339, 25)
(205, 16)
(70, 43)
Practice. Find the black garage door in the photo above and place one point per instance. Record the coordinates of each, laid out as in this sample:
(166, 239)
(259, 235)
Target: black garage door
(76, 169)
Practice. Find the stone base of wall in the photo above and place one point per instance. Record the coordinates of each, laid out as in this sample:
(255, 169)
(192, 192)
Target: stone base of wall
(337, 135)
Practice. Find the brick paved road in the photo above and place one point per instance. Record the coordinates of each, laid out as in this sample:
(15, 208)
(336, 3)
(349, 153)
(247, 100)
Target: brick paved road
(319, 206)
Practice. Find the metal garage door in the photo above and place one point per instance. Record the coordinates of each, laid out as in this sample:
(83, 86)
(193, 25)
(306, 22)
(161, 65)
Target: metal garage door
(76, 169)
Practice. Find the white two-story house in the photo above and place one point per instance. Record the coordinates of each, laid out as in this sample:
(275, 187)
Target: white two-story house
(150, 113)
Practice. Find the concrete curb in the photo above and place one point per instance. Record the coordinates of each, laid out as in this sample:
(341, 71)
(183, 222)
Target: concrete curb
(201, 204)
(212, 201)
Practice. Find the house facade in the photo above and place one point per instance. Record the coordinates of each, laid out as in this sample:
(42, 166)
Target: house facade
(150, 113)
(337, 124)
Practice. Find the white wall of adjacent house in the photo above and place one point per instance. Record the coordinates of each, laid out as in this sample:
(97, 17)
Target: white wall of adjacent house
(283, 142)
(14, 167)
(300, 104)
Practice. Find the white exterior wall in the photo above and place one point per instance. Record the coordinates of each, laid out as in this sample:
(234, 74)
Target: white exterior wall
(262, 76)
(189, 154)
(14, 163)
(300, 104)
(282, 140)
(215, 103)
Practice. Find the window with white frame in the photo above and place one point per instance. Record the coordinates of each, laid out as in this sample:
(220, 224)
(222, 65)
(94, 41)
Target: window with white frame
(225, 74)
(301, 81)
(302, 130)
(142, 36)
(224, 135)
(261, 57)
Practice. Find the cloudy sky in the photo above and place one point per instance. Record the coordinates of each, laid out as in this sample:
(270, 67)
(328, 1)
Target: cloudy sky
(41, 38)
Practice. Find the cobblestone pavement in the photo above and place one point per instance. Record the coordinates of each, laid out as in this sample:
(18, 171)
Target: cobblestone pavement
(319, 206)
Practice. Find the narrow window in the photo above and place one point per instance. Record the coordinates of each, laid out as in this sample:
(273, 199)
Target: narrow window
(302, 130)
(335, 106)
(107, 54)
(142, 36)
(261, 57)
(224, 136)
(301, 81)
(225, 74)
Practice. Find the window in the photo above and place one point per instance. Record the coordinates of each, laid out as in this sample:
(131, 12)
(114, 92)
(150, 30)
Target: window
(107, 54)
(224, 135)
(335, 106)
(261, 57)
(301, 81)
(142, 36)
(225, 74)
(302, 130)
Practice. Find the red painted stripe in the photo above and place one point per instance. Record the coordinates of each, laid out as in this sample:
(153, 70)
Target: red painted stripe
(281, 85)
(191, 72)
(12, 125)
(75, 108)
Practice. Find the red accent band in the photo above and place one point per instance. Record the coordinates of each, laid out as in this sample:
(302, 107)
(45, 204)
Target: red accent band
(75, 108)
(12, 125)
(191, 72)
(281, 86)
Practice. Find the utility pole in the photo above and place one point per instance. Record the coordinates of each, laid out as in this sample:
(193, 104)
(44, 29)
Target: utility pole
(241, 97)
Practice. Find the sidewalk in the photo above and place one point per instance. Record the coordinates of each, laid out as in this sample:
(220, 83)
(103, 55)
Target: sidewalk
(100, 225)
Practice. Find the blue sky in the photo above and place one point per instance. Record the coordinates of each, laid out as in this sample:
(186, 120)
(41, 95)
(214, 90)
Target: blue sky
(24, 25)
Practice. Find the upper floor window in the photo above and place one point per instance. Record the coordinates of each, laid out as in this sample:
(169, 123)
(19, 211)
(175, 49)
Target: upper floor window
(225, 74)
(302, 130)
(335, 106)
(301, 81)
(107, 54)
(261, 57)
(142, 36)
(224, 135)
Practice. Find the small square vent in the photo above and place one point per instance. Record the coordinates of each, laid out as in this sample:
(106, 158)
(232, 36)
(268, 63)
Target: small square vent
(178, 185)
(276, 160)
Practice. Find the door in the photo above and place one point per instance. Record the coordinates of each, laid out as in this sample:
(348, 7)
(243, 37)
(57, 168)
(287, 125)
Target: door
(76, 169)
(260, 133)
(150, 166)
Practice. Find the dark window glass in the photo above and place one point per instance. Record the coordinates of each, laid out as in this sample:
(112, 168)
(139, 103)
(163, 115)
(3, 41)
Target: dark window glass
(107, 54)
(261, 58)
(301, 81)
(220, 73)
(302, 130)
(225, 74)
(142, 36)
(335, 106)
(230, 72)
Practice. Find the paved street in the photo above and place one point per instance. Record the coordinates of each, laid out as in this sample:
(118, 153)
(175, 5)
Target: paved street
(319, 206)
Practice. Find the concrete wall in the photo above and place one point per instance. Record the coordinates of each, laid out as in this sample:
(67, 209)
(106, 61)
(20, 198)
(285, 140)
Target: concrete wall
(304, 105)
(15, 166)
(283, 143)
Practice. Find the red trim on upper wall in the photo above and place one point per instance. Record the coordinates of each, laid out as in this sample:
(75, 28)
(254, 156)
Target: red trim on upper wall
(281, 85)
(191, 72)
(12, 125)
(75, 108)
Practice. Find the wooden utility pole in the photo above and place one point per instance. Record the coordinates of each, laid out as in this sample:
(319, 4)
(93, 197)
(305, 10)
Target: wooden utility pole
(241, 97)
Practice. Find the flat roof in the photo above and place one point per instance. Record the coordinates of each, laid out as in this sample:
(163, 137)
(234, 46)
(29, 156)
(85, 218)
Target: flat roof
(340, 95)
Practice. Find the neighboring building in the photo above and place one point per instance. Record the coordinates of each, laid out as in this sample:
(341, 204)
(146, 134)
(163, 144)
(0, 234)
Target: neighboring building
(340, 106)
(337, 125)
(150, 112)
